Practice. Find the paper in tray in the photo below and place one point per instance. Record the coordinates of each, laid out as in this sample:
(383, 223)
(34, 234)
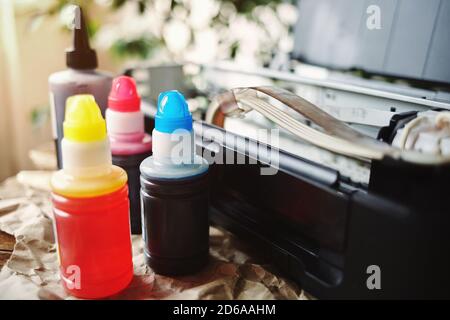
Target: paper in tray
(336, 136)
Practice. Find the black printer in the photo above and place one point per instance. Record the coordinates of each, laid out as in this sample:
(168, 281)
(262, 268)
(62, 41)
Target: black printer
(327, 221)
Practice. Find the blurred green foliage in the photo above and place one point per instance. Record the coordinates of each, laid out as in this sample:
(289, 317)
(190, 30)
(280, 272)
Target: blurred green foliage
(140, 48)
(145, 46)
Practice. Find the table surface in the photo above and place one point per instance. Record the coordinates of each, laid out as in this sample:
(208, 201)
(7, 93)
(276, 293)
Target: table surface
(7, 243)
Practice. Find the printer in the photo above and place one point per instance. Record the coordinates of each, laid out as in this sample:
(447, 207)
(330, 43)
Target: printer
(343, 224)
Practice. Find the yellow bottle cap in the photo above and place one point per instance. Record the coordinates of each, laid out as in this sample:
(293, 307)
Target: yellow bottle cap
(83, 121)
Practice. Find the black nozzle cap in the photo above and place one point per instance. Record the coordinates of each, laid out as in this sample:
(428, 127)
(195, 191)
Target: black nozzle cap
(80, 56)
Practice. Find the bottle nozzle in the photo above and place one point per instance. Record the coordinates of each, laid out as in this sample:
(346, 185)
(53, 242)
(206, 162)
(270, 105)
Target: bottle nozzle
(80, 56)
(83, 121)
(172, 113)
(124, 96)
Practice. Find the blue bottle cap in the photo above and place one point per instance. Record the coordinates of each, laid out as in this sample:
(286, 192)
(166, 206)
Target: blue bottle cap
(173, 112)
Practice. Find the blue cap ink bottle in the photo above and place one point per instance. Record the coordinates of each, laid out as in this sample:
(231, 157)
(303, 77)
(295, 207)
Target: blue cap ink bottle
(174, 193)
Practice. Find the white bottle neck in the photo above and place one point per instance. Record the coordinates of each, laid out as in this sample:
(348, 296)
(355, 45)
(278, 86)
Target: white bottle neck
(86, 159)
(124, 122)
(177, 148)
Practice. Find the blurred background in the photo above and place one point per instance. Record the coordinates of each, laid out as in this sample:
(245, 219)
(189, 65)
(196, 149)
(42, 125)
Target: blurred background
(35, 33)
(365, 62)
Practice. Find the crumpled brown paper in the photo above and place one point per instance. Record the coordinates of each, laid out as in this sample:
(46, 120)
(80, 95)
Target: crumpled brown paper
(32, 270)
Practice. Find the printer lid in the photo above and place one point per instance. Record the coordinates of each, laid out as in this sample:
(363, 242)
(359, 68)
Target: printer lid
(401, 39)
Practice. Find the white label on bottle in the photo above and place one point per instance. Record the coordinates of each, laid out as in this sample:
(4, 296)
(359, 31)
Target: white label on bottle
(53, 115)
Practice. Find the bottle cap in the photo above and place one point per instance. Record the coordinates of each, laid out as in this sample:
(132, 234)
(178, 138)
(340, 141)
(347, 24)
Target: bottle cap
(124, 96)
(80, 56)
(83, 120)
(172, 113)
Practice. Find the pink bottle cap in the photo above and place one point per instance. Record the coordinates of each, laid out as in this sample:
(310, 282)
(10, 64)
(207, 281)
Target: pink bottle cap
(124, 119)
(124, 96)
